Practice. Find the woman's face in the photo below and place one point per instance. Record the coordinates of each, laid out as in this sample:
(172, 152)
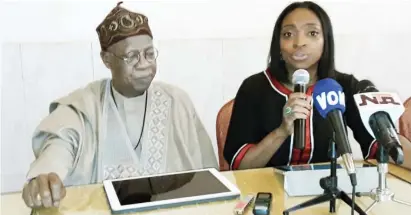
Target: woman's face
(301, 39)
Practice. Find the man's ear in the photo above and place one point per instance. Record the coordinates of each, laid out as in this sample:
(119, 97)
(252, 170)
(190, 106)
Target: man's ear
(105, 57)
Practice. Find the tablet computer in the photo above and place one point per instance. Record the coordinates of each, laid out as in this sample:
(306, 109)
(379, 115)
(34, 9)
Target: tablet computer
(168, 190)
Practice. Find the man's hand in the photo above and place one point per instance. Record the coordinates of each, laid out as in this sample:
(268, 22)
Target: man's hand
(46, 190)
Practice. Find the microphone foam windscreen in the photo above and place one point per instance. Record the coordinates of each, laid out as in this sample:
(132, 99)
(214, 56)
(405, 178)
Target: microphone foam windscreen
(328, 95)
(301, 76)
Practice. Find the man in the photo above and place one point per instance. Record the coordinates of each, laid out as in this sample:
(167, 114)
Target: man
(405, 133)
(126, 126)
(405, 120)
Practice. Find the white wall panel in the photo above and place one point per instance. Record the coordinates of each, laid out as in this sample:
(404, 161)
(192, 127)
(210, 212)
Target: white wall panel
(100, 71)
(242, 58)
(382, 58)
(48, 21)
(15, 148)
(51, 71)
(196, 67)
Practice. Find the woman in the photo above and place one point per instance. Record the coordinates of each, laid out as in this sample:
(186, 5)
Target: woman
(261, 127)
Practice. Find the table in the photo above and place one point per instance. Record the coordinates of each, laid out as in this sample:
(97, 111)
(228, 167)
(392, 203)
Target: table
(90, 199)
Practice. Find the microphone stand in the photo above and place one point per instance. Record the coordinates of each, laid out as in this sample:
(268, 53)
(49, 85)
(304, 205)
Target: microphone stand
(382, 193)
(330, 186)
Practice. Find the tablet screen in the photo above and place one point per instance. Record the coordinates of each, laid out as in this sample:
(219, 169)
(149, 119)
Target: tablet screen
(156, 188)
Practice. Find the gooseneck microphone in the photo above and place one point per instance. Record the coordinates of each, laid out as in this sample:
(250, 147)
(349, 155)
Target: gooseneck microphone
(300, 80)
(329, 100)
(377, 111)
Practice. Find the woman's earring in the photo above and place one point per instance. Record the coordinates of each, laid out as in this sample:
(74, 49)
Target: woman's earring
(281, 57)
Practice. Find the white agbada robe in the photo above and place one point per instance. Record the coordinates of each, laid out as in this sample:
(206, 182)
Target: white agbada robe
(90, 135)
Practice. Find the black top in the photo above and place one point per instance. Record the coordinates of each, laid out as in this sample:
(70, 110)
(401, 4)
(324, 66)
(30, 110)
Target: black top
(258, 109)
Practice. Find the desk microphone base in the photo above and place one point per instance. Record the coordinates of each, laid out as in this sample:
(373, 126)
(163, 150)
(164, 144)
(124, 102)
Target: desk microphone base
(382, 193)
(330, 186)
(328, 196)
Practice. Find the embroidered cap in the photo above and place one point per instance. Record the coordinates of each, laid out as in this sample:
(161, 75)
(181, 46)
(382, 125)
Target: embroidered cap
(120, 24)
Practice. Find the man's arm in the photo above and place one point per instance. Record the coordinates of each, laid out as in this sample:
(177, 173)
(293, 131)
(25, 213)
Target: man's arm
(55, 143)
(201, 136)
(406, 147)
(57, 157)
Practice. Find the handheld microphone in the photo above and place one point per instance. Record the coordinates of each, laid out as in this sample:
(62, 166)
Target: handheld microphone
(329, 100)
(300, 80)
(377, 111)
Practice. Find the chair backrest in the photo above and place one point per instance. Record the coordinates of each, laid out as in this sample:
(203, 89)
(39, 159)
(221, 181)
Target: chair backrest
(223, 121)
(405, 120)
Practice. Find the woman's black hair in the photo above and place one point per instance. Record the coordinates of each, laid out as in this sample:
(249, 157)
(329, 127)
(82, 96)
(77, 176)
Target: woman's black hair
(326, 66)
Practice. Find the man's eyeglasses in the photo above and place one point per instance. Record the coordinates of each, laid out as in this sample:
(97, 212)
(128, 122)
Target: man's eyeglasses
(133, 57)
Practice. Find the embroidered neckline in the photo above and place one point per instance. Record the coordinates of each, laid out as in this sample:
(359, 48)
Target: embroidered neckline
(144, 116)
